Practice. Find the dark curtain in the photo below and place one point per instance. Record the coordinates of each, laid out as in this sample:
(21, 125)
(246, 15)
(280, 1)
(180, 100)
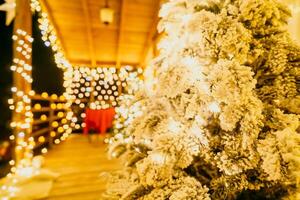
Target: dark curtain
(46, 76)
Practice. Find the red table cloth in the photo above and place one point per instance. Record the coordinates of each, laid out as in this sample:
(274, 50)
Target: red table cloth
(99, 120)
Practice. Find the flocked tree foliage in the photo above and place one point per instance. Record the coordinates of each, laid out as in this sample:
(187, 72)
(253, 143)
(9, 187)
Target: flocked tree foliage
(223, 120)
(127, 110)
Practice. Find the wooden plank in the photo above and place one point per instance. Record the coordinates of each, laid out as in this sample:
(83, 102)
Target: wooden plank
(100, 64)
(79, 164)
(39, 144)
(40, 98)
(48, 10)
(151, 36)
(38, 122)
(44, 109)
(89, 31)
(81, 32)
(120, 35)
(40, 132)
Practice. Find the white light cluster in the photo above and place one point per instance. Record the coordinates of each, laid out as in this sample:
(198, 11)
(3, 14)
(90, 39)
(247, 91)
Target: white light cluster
(23, 47)
(126, 113)
(101, 87)
(101, 83)
(20, 104)
(49, 36)
(127, 110)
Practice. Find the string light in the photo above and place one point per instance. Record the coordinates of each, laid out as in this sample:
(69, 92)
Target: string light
(102, 84)
(49, 36)
(50, 39)
(20, 104)
(127, 110)
(23, 46)
(23, 98)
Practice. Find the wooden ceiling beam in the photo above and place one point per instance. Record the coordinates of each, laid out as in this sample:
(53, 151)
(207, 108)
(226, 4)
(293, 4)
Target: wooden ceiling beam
(121, 30)
(89, 32)
(100, 63)
(46, 8)
(151, 35)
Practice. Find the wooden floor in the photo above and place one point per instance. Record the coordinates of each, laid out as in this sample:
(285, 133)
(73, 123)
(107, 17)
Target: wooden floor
(79, 164)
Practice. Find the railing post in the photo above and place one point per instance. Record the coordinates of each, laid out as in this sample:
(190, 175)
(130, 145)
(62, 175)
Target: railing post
(51, 120)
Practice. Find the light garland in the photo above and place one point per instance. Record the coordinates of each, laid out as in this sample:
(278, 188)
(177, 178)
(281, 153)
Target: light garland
(101, 83)
(30, 166)
(49, 36)
(125, 114)
(20, 66)
(21, 106)
(127, 110)
(99, 88)
(23, 98)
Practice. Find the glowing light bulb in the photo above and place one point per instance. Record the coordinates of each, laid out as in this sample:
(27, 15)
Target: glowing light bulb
(47, 43)
(54, 96)
(52, 134)
(55, 124)
(41, 139)
(37, 106)
(43, 117)
(45, 95)
(44, 150)
(12, 137)
(21, 135)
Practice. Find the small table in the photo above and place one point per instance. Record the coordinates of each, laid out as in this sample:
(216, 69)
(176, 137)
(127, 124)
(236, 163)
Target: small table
(99, 120)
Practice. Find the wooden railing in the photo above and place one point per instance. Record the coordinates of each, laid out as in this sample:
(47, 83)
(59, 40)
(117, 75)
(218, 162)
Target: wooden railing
(50, 125)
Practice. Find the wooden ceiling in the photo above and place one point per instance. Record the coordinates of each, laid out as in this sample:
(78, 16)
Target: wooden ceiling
(86, 41)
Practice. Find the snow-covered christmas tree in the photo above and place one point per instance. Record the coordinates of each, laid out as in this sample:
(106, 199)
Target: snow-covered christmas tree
(128, 109)
(223, 120)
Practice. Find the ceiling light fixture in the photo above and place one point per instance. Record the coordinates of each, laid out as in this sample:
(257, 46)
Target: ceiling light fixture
(106, 14)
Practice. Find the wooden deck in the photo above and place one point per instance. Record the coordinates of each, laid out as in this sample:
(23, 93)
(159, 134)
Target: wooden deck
(79, 164)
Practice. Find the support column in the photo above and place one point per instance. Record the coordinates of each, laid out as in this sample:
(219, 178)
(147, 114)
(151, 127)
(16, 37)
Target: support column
(22, 79)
